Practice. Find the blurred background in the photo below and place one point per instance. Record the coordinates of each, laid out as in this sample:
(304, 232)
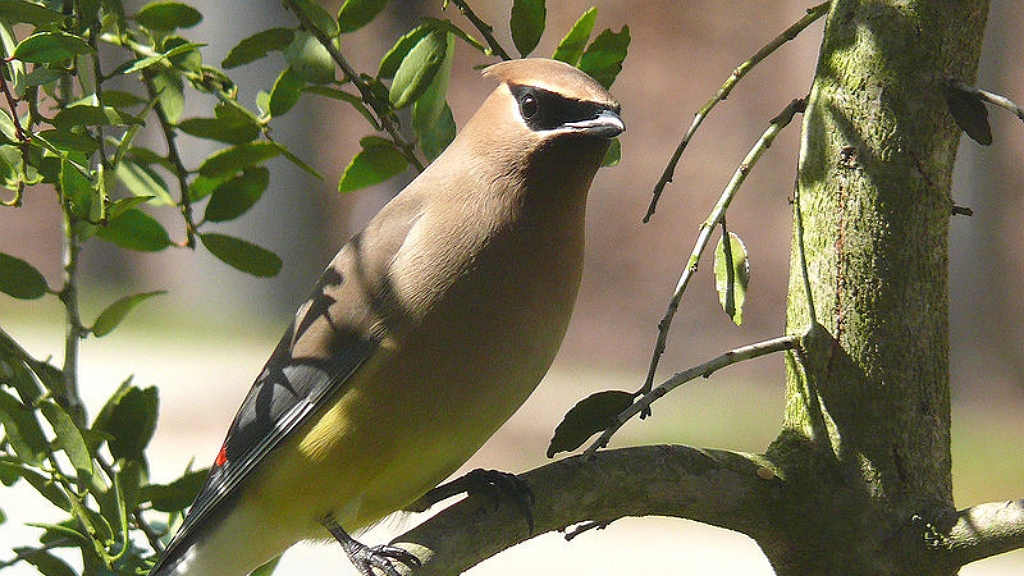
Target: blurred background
(204, 342)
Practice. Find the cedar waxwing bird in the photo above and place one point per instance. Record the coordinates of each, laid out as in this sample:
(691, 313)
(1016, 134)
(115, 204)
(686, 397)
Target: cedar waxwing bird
(424, 334)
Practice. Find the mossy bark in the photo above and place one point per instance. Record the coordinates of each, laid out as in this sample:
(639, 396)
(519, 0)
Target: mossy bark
(867, 424)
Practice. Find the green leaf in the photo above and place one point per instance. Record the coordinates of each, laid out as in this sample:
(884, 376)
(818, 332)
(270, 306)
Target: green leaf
(69, 141)
(258, 46)
(286, 92)
(310, 60)
(143, 181)
(20, 279)
(970, 114)
(45, 47)
(175, 496)
(393, 59)
(603, 58)
(431, 104)
(116, 312)
(171, 93)
(135, 230)
(440, 135)
(591, 415)
(46, 563)
(732, 275)
(168, 16)
(418, 69)
(129, 420)
(22, 429)
(122, 99)
(43, 485)
(84, 115)
(355, 14)
(121, 205)
(19, 11)
(570, 49)
(231, 160)
(235, 196)
(431, 117)
(527, 23)
(321, 18)
(230, 130)
(614, 154)
(378, 161)
(341, 95)
(244, 256)
(69, 438)
(76, 188)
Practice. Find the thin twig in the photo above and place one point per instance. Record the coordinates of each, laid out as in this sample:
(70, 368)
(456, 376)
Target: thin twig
(384, 114)
(485, 29)
(643, 404)
(990, 97)
(716, 216)
(180, 171)
(12, 103)
(790, 33)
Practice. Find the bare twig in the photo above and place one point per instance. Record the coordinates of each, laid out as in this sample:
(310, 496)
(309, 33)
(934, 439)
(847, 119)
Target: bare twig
(985, 530)
(713, 220)
(383, 113)
(990, 97)
(486, 30)
(180, 171)
(643, 405)
(790, 33)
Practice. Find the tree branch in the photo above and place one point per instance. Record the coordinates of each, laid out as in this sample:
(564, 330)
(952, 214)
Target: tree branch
(718, 487)
(705, 370)
(714, 219)
(986, 530)
(737, 74)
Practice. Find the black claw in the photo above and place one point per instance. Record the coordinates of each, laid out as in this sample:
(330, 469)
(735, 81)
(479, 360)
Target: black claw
(499, 486)
(366, 558)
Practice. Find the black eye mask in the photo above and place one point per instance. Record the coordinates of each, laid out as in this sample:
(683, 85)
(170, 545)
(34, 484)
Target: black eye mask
(545, 110)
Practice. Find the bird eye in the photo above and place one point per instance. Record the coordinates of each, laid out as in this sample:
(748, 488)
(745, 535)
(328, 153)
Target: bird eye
(529, 106)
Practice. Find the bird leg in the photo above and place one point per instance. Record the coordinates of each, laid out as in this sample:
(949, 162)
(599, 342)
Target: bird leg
(492, 484)
(366, 558)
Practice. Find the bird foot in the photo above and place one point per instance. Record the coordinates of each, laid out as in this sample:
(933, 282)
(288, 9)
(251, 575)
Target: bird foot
(366, 558)
(492, 484)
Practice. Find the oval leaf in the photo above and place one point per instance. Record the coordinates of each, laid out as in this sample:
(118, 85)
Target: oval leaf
(116, 312)
(418, 69)
(603, 58)
(309, 59)
(257, 46)
(20, 279)
(175, 496)
(135, 230)
(393, 59)
(129, 420)
(237, 158)
(375, 163)
(168, 16)
(21, 429)
(355, 14)
(235, 196)
(69, 437)
(732, 275)
(230, 130)
(47, 47)
(570, 49)
(970, 115)
(527, 23)
(244, 256)
(591, 415)
(286, 92)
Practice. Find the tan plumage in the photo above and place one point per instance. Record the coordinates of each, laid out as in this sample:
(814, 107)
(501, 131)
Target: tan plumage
(426, 332)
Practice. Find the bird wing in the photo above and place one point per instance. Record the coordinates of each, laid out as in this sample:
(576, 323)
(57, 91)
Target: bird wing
(333, 334)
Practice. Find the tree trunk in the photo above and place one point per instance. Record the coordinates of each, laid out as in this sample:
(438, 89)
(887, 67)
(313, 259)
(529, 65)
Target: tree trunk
(866, 434)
